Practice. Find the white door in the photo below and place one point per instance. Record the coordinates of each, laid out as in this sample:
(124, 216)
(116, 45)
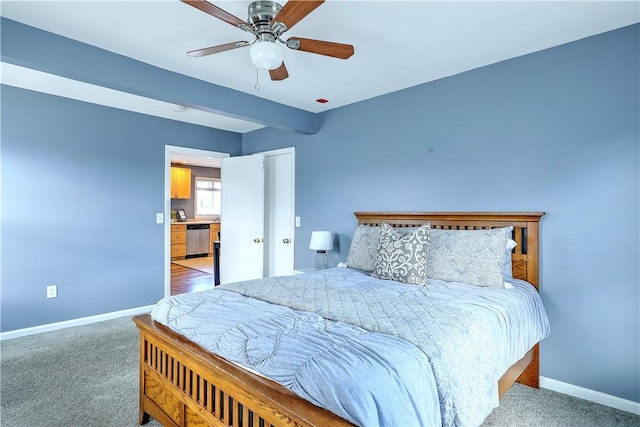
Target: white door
(242, 221)
(279, 214)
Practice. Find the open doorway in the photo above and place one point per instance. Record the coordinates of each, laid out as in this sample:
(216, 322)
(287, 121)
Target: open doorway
(192, 157)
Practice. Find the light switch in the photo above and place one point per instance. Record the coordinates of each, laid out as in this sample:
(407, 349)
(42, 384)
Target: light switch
(297, 221)
(159, 218)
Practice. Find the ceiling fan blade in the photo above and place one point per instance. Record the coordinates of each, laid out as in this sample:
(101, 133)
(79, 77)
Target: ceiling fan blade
(279, 73)
(336, 50)
(294, 10)
(219, 48)
(212, 10)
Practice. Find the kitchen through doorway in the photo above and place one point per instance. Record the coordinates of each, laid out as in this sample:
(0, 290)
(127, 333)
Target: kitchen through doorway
(193, 271)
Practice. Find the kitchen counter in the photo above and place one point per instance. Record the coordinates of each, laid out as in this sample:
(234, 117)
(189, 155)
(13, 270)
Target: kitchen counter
(186, 241)
(194, 221)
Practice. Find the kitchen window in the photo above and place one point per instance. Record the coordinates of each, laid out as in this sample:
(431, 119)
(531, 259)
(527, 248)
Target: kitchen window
(208, 197)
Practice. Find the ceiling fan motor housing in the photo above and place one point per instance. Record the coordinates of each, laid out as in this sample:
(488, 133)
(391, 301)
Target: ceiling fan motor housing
(262, 12)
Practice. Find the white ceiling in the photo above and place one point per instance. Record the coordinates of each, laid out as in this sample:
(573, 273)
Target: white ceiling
(398, 44)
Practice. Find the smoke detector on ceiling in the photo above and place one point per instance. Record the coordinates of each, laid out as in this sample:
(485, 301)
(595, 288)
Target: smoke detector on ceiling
(178, 108)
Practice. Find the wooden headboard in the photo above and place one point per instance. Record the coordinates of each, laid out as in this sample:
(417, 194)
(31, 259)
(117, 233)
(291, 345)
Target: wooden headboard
(525, 231)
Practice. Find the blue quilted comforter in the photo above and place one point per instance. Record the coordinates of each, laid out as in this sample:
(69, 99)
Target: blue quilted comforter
(375, 352)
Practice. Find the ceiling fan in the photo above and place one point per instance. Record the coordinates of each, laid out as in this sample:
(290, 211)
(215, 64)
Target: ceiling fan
(267, 21)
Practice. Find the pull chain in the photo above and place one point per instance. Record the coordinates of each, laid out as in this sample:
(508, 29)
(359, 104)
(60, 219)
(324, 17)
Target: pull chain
(257, 86)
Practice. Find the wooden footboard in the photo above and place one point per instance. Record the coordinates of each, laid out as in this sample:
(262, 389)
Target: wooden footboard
(182, 384)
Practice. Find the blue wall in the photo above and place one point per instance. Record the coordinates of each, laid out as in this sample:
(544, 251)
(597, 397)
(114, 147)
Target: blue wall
(554, 131)
(81, 185)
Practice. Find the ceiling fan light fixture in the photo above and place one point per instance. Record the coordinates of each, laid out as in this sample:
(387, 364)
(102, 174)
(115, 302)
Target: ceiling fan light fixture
(266, 55)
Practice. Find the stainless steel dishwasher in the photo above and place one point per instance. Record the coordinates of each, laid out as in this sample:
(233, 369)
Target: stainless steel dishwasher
(197, 239)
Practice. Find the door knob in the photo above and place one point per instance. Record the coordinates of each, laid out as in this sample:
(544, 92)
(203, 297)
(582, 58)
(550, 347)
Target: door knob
(257, 240)
(286, 240)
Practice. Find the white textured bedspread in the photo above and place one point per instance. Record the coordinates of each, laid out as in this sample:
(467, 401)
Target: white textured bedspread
(375, 352)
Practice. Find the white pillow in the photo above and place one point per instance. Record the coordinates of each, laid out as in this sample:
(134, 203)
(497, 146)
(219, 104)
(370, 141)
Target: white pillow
(508, 267)
(362, 254)
(476, 257)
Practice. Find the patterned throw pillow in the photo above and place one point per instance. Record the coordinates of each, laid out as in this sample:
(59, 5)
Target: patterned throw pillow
(403, 257)
(364, 246)
(468, 256)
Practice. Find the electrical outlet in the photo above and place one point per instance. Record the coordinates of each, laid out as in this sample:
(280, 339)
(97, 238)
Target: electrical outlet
(159, 218)
(297, 221)
(52, 291)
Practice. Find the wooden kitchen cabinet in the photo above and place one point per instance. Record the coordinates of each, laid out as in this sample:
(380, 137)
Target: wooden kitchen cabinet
(178, 241)
(213, 233)
(180, 183)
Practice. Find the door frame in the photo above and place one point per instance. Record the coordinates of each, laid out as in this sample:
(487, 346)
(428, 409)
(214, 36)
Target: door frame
(168, 151)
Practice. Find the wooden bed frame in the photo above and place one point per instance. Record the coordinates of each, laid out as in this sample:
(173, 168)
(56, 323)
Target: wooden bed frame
(182, 384)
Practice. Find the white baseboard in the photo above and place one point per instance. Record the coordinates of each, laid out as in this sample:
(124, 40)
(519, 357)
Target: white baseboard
(591, 395)
(74, 322)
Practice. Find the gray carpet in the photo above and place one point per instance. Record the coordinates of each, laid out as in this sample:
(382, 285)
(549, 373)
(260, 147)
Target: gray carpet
(61, 379)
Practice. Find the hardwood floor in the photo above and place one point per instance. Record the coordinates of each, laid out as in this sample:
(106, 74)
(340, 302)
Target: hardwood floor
(185, 280)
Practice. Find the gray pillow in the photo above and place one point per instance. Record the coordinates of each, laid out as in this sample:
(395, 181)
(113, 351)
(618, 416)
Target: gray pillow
(403, 257)
(468, 256)
(364, 245)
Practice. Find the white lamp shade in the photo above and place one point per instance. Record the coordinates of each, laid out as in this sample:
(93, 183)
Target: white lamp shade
(321, 241)
(266, 55)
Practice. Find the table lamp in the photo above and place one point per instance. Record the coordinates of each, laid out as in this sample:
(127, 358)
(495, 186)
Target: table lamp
(321, 242)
